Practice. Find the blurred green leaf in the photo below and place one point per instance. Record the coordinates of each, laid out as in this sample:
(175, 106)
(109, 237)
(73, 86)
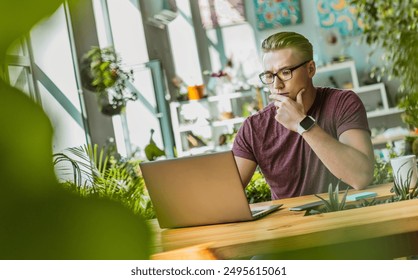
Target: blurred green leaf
(258, 190)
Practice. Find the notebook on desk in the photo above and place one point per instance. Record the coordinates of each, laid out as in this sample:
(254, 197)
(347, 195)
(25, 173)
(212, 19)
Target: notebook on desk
(198, 190)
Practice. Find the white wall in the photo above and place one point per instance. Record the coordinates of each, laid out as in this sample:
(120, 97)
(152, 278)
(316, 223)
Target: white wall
(311, 30)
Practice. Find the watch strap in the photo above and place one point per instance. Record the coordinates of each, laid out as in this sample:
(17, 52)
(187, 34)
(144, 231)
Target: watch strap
(306, 124)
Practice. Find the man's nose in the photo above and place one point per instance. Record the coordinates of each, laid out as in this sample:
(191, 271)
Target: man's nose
(278, 83)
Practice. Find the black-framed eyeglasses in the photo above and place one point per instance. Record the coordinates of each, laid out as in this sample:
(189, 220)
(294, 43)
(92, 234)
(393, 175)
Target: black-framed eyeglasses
(267, 77)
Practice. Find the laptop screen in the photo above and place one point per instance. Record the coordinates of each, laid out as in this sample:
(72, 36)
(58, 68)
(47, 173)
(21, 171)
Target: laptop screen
(196, 190)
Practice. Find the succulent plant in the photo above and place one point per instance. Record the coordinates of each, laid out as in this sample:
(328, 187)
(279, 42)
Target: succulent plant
(402, 188)
(333, 203)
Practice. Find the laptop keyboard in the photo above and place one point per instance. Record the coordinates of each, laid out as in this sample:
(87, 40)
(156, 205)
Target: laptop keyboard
(254, 212)
(258, 213)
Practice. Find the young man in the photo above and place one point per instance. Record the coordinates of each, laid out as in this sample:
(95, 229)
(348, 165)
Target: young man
(307, 137)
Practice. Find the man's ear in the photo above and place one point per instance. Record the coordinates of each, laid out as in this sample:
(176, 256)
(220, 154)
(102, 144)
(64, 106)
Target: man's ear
(311, 68)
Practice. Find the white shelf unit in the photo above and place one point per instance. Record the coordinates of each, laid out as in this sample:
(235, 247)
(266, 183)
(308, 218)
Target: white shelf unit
(340, 69)
(374, 96)
(375, 100)
(203, 118)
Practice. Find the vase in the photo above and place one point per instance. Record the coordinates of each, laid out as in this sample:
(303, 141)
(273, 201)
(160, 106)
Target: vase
(405, 170)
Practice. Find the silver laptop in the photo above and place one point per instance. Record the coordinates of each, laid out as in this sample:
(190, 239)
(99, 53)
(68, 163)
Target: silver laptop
(198, 190)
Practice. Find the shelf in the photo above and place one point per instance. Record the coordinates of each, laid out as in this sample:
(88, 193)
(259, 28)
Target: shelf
(373, 96)
(202, 118)
(338, 66)
(190, 127)
(379, 140)
(369, 88)
(196, 151)
(383, 112)
(228, 122)
(335, 66)
(220, 97)
(180, 103)
(233, 121)
(205, 149)
(215, 98)
(382, 139)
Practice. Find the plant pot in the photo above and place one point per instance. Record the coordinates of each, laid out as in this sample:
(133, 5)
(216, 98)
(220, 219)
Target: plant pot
(108, 107)
(111, 110)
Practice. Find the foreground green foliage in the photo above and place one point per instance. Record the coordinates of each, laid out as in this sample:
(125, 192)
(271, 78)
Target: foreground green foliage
(40, 221)
(258, 190)
(95, 172)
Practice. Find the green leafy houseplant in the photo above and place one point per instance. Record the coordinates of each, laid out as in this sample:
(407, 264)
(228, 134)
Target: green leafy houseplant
(409, 103)
(258, 190)
(393, 27)
(95, 172)
(383, 172)
(103, 73)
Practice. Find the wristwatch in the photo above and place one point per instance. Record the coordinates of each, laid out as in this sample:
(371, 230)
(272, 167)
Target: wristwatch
(307, 123)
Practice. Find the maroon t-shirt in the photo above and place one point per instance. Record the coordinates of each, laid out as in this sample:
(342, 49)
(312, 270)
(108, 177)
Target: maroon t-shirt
(290, 166)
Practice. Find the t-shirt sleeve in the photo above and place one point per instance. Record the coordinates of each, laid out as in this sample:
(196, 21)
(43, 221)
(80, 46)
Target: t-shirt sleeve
(242, 146)
(352, 114)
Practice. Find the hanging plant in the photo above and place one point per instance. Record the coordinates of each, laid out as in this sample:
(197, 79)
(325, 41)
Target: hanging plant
(104, 75)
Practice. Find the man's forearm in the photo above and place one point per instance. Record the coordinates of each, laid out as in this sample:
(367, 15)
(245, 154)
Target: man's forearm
(351, 161)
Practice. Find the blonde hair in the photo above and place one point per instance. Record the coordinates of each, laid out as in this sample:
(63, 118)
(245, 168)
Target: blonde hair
(292, 40)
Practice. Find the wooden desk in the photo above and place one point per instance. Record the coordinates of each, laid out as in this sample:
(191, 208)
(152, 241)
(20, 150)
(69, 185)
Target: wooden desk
(383, 231)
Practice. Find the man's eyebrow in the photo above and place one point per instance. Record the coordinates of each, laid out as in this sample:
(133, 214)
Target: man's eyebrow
(280, 69)
(283, 68)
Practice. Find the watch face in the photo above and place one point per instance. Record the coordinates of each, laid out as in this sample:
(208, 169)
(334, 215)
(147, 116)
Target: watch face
(307, 123)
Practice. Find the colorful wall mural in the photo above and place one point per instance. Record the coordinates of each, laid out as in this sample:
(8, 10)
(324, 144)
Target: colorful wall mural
(338, 14)
(277, 13)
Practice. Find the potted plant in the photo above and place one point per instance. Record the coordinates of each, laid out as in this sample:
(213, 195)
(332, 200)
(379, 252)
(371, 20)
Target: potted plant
(103, 74)
(333, 203)
(392, 27)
